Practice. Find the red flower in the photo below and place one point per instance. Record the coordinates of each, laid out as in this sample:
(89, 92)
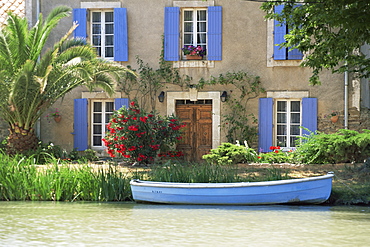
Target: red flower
(259, 157)
(143, 119)
(276, 151)
(133, 127)
(132, 148)
(132, 103)
(173, 120)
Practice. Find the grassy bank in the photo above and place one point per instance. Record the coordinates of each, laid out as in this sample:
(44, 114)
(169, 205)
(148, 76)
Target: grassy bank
(23, 179)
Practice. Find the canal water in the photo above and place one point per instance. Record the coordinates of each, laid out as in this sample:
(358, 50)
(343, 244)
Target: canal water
(130, 224)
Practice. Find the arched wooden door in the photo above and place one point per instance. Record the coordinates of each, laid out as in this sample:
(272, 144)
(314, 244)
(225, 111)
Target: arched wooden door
(197, 138)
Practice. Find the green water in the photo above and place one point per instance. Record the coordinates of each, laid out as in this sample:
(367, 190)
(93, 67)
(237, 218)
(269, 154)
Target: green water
(130, 224)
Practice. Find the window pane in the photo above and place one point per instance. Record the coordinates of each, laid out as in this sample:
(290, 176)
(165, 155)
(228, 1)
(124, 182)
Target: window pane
(96, 40)
(108, 28)
(281, 141)
(97, 129)
(108, 16)
(108, 117)
(281, 106)
(96, 29)
(281, 117)
(202, 38)
(109, 106)
(109, 52)
(98, 51)
(97, 106)
(295, 118)
(109, 40)
(188, 27)
(295, 106)
(202, 26)
(281, 130)
(188, 39)
(293, 140)
(97, 141)
(294, 130)
(96, 17)
(202, 15)
(97, 118)
(188, 15)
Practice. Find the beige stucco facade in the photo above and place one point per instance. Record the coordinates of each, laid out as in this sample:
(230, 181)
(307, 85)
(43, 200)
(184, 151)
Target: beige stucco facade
(246, 46)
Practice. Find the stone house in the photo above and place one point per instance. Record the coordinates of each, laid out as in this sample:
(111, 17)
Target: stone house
(236, 38)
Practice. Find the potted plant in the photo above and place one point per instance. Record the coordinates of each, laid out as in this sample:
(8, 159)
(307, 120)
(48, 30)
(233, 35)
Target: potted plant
(55, 114)
(193, 52)
(334, 116)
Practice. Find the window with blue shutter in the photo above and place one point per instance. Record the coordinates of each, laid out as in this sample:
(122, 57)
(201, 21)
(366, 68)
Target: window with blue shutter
(80, 125)
(171, 33)
(120, 35)
(212, 39)
(119, 102)
(79, 17)
(111, 41)
(280, 30)
(265, 124)
(309, 115)
(214, 33)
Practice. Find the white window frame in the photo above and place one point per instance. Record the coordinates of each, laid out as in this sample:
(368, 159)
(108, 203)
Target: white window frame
(288, 122)
(103, 124)
(103, 33)
(195, 30)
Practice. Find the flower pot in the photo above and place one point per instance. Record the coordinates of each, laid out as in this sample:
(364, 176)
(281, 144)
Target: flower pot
(57, 119)
(193, 57)
(334, 119)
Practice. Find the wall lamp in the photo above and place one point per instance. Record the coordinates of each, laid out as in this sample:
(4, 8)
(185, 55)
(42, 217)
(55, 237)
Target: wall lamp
(223, 96)
(161, 97)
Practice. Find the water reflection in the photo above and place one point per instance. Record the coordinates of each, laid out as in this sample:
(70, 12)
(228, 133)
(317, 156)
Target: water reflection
(123, 224)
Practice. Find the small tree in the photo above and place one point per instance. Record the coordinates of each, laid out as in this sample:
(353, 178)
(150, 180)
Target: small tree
(140, 137)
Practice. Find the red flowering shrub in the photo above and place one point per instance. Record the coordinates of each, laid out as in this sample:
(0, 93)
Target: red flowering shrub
(139, 136)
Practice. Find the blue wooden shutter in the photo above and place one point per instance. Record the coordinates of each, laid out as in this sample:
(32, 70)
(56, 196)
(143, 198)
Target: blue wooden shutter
(119, 102)
(214, 48)
(80, 124)
(171, 33)
(280, 30)
(265, 124)
(79, 16)
(120, 35)
(295, 54)
(309, 115)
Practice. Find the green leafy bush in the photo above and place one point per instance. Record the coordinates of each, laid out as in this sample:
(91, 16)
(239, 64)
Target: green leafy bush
(140, 137)
(341, 147)
(228, 154)
(276, 156)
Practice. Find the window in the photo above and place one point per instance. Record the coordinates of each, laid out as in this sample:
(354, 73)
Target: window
(101, 113)
(107, 29)
(280, 30)
(194, 29)
(95, 122)
(280, 121)
(102, 33)
(200, 26)
(288, 122)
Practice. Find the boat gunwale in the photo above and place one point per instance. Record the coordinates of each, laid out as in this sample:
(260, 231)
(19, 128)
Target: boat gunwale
(144, 183)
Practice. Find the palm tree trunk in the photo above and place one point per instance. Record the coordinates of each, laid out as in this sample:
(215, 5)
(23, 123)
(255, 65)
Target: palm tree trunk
(21, 140)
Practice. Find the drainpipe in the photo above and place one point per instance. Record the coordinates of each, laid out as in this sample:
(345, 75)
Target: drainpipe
(346, 98)
(38, 123)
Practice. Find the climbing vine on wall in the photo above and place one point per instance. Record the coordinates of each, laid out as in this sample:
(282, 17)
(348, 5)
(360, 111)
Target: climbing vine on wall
(235, 122)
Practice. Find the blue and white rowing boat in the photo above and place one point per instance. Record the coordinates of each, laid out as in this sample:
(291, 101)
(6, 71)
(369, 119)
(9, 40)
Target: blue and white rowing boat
(312, 190)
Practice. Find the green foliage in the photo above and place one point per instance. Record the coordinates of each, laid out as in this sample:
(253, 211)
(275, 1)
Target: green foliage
(229, 154)
(194, 173)
(235, 122)
(140, 137)
(22, 179)
(329, 32)
(341, 147)
(276, 156)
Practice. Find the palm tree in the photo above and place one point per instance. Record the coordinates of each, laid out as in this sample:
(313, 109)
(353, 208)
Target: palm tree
(30, 82)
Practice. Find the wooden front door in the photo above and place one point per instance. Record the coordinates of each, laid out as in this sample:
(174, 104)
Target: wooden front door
(197, 138)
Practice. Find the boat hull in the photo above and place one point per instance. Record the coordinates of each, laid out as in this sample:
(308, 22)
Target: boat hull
(314, 190)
